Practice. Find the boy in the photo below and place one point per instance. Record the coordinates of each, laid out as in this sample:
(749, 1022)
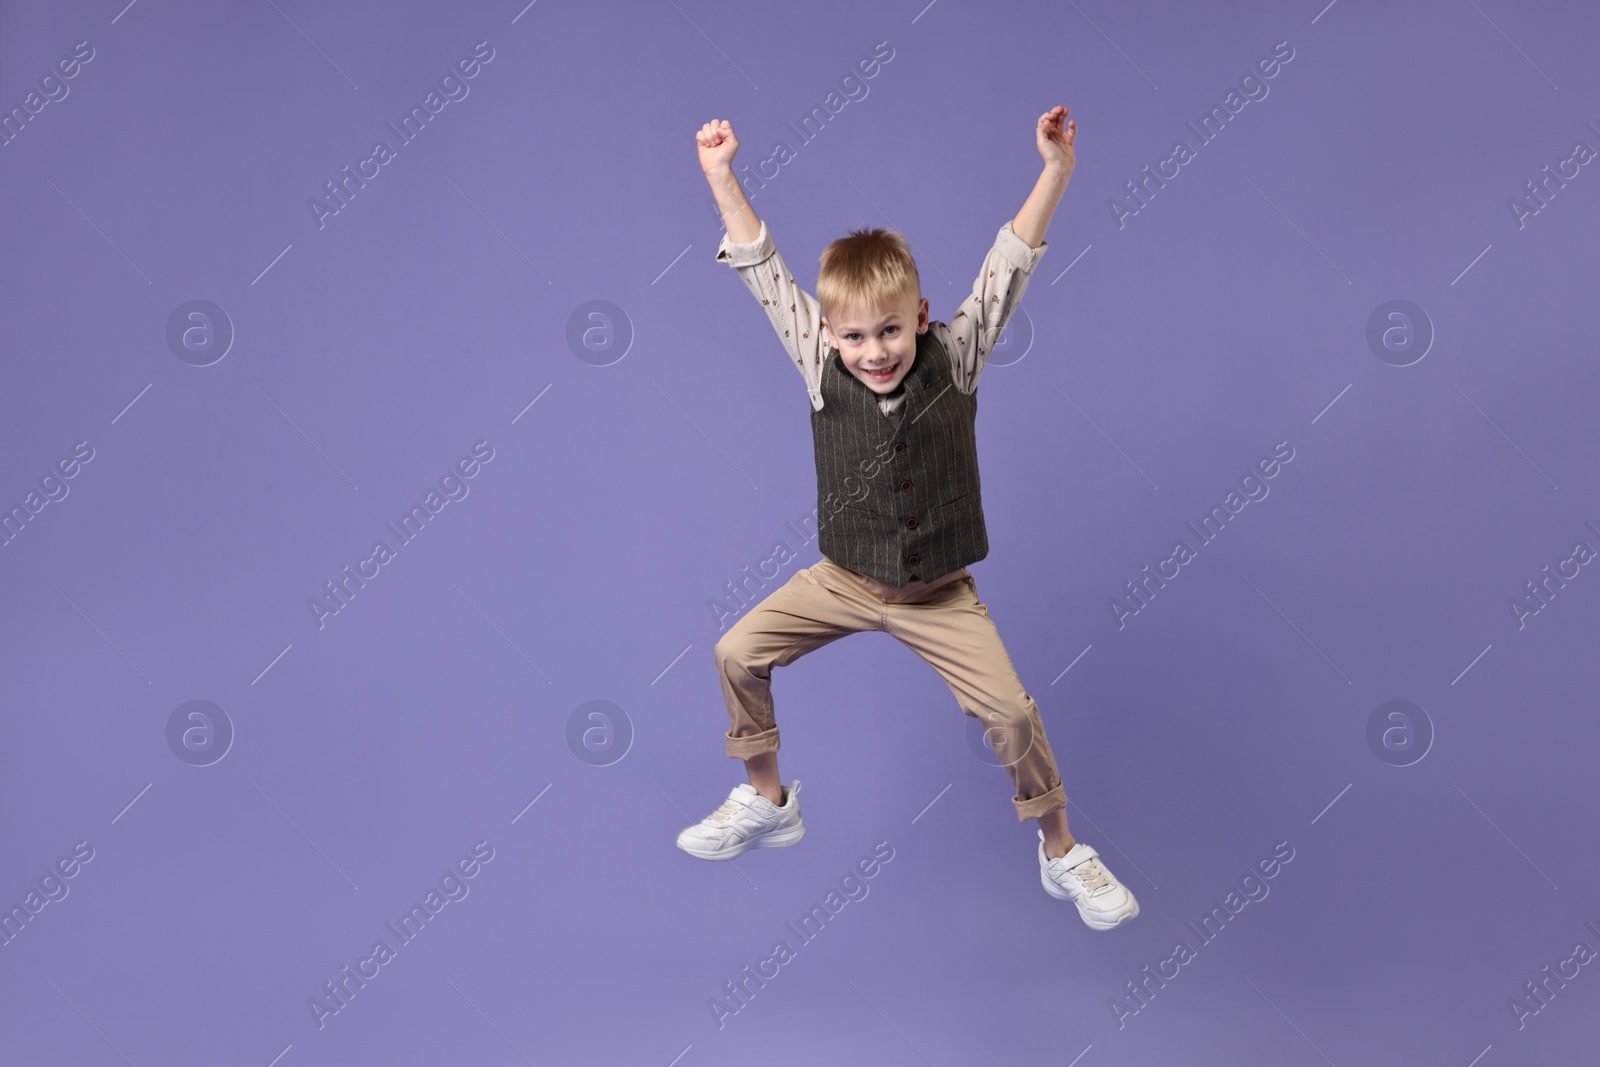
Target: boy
(893, 403)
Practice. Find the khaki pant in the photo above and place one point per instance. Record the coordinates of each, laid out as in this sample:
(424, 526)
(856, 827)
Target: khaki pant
(944, 622)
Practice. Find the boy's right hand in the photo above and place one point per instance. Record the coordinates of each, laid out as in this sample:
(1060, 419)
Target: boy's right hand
(717, 145)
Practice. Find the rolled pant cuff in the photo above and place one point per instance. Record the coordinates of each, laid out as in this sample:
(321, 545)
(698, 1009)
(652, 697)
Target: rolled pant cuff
(752, 744)
(1044, 804)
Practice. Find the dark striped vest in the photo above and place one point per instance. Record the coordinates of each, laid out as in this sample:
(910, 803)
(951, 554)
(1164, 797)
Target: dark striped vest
(898, 496)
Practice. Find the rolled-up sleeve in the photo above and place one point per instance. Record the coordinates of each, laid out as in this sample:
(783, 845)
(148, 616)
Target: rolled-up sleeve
(972, 331)
(795, 315)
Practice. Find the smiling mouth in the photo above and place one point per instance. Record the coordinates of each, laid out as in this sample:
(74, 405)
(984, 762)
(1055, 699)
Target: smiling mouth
(885, 374)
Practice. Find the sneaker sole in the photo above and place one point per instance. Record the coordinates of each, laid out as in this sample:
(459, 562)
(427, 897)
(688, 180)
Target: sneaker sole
(1125, 920)
(776, 839)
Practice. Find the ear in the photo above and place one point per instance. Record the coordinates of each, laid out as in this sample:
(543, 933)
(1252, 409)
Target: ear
(922, 316)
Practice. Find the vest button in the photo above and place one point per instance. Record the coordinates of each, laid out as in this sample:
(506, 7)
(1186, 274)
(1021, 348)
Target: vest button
(906, 484)
(913, 559)
(911, 523)
(899, 446)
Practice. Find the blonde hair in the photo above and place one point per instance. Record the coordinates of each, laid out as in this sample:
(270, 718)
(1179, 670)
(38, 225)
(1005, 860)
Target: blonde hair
(868, 269)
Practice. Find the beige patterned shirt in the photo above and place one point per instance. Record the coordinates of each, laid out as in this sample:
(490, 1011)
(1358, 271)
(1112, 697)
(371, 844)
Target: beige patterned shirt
(968, 337)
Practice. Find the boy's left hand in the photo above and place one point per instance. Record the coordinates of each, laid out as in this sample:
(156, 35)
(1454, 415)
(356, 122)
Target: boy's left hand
(1055, 139)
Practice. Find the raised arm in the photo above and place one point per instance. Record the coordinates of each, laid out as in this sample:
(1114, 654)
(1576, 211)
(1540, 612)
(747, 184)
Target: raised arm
(717, 146)
(1003, 278)
(748, 248)
(1055, 143)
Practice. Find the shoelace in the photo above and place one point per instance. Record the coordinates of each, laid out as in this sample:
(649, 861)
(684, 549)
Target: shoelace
(728, 810)
(1092, 875)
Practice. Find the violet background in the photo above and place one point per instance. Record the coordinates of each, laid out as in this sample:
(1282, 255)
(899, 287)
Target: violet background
(1132, 392)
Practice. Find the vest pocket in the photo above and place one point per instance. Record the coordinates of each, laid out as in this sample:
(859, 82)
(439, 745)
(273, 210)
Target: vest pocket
(965, 500)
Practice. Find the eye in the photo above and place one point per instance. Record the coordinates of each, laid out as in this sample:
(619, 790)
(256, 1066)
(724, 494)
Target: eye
(891, 329)
(851, 336)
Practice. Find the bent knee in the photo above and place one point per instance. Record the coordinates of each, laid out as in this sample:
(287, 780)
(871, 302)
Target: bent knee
(731, 648)
(1018, 710)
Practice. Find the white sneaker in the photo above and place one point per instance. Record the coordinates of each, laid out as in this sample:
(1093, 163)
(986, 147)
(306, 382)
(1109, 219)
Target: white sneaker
(745, 820)
(1103, 902)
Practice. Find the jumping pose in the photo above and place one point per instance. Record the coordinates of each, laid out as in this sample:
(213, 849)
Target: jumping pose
(899, 515)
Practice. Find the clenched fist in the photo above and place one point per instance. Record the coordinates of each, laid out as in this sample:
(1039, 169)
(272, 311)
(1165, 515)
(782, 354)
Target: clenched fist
(717, 145)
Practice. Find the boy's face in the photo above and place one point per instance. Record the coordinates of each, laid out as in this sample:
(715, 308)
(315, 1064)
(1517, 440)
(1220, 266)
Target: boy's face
(870, 340)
